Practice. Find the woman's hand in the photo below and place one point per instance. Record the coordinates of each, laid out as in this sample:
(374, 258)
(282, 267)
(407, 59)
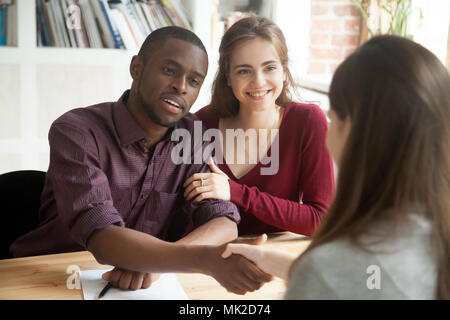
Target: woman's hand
(271, 261)
(235, 273)
(213, 185)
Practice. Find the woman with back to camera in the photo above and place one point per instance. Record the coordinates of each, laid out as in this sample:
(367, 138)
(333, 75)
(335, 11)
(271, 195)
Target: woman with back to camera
(252, 95)
(387, 234)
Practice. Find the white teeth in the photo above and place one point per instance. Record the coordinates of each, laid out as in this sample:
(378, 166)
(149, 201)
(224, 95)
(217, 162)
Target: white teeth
(172, 103)
(258, 94)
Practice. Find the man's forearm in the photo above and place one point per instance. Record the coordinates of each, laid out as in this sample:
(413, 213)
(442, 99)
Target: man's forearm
(216, 231)
(133, 250)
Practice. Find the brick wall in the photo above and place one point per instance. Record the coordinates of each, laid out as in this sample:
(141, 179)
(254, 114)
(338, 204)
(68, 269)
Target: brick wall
(335, 33)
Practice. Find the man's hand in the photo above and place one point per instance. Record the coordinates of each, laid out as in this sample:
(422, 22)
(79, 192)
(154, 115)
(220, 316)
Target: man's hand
(276, 262)
(129, 280)
(236, 274)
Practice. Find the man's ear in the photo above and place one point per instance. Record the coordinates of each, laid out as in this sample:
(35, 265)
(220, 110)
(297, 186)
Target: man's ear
(136, 67)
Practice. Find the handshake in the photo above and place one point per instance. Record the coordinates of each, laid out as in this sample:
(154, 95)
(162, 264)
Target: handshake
(271, 261)
(240, 267)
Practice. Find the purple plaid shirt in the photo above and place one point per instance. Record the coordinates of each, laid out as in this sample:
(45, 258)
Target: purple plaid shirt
(102, 173)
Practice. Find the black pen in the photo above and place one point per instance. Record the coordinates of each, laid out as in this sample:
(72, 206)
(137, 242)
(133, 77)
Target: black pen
(104, 290)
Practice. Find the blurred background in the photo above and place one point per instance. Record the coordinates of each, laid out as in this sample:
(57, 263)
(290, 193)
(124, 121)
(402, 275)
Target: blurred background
(56, 55)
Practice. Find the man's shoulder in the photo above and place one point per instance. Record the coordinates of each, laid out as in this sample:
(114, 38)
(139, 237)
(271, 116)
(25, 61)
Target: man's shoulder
(86, 117)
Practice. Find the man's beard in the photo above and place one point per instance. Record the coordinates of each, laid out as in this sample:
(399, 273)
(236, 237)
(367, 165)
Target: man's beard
(151, 114)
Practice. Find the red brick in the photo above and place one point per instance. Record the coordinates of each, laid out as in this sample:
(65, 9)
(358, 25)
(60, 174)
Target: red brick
(324, 25)
(318, 10)
(320, 39)
(346, 10)
(317, 67)
(344, 40)
(353, 25)
(327, 54)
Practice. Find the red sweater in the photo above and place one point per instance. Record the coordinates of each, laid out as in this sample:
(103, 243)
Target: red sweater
(296, 197)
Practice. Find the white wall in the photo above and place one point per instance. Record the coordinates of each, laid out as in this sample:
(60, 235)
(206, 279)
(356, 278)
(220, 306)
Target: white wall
(433, 33)
(294, 19)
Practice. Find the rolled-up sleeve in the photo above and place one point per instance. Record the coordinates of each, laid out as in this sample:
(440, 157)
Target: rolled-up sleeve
(208, 209)
(81, 188)
(205, 210)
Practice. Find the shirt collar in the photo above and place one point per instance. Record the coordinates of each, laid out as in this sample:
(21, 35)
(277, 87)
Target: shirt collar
(127, 127)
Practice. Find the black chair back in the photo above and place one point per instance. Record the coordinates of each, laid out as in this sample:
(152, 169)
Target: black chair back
(20, 200)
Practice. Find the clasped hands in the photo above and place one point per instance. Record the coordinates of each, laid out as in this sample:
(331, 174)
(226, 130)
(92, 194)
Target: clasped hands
(208, 185)
(240, 267)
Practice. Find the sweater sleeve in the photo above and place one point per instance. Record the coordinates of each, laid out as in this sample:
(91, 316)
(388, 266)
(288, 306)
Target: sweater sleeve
(316, 181)
(282, 213)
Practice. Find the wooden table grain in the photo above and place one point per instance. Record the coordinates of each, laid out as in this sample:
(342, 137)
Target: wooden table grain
(53, 277)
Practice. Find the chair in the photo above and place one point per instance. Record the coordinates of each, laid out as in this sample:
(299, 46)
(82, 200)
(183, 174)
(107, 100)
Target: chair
(20, 199)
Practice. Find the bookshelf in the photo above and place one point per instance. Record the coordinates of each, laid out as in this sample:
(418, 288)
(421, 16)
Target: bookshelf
(8, 23)
(38, 84)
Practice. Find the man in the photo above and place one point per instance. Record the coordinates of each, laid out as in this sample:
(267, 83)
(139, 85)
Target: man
(112, 188)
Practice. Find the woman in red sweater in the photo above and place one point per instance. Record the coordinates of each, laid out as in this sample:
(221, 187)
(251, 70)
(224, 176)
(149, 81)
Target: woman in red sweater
(290, 189)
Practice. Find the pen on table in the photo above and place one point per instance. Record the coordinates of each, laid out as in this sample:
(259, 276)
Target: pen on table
(104, 290)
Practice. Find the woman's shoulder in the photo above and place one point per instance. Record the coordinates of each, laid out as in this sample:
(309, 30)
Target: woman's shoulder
(385, 237)
(385, 258)
(307, 113)
(330, 251)
(208, 116)
(304, 118)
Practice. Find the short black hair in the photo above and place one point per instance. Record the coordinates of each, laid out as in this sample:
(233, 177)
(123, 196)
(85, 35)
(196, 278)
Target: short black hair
(156, 37)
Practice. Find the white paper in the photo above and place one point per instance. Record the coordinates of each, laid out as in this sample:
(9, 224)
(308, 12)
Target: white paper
(166, 287)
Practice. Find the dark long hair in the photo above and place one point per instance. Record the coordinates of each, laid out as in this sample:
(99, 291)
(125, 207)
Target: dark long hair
(223, 101)
(397, 95)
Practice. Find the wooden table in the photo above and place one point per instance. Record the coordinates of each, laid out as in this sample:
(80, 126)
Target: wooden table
(46, 277)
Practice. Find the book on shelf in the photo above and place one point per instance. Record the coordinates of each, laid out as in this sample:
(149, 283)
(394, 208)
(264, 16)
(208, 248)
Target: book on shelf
(8, 23)
(124, 30)
(118, 43)
(130, 20)
(141, 17)
(103, 23)
(176, 13)
(92, 30)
